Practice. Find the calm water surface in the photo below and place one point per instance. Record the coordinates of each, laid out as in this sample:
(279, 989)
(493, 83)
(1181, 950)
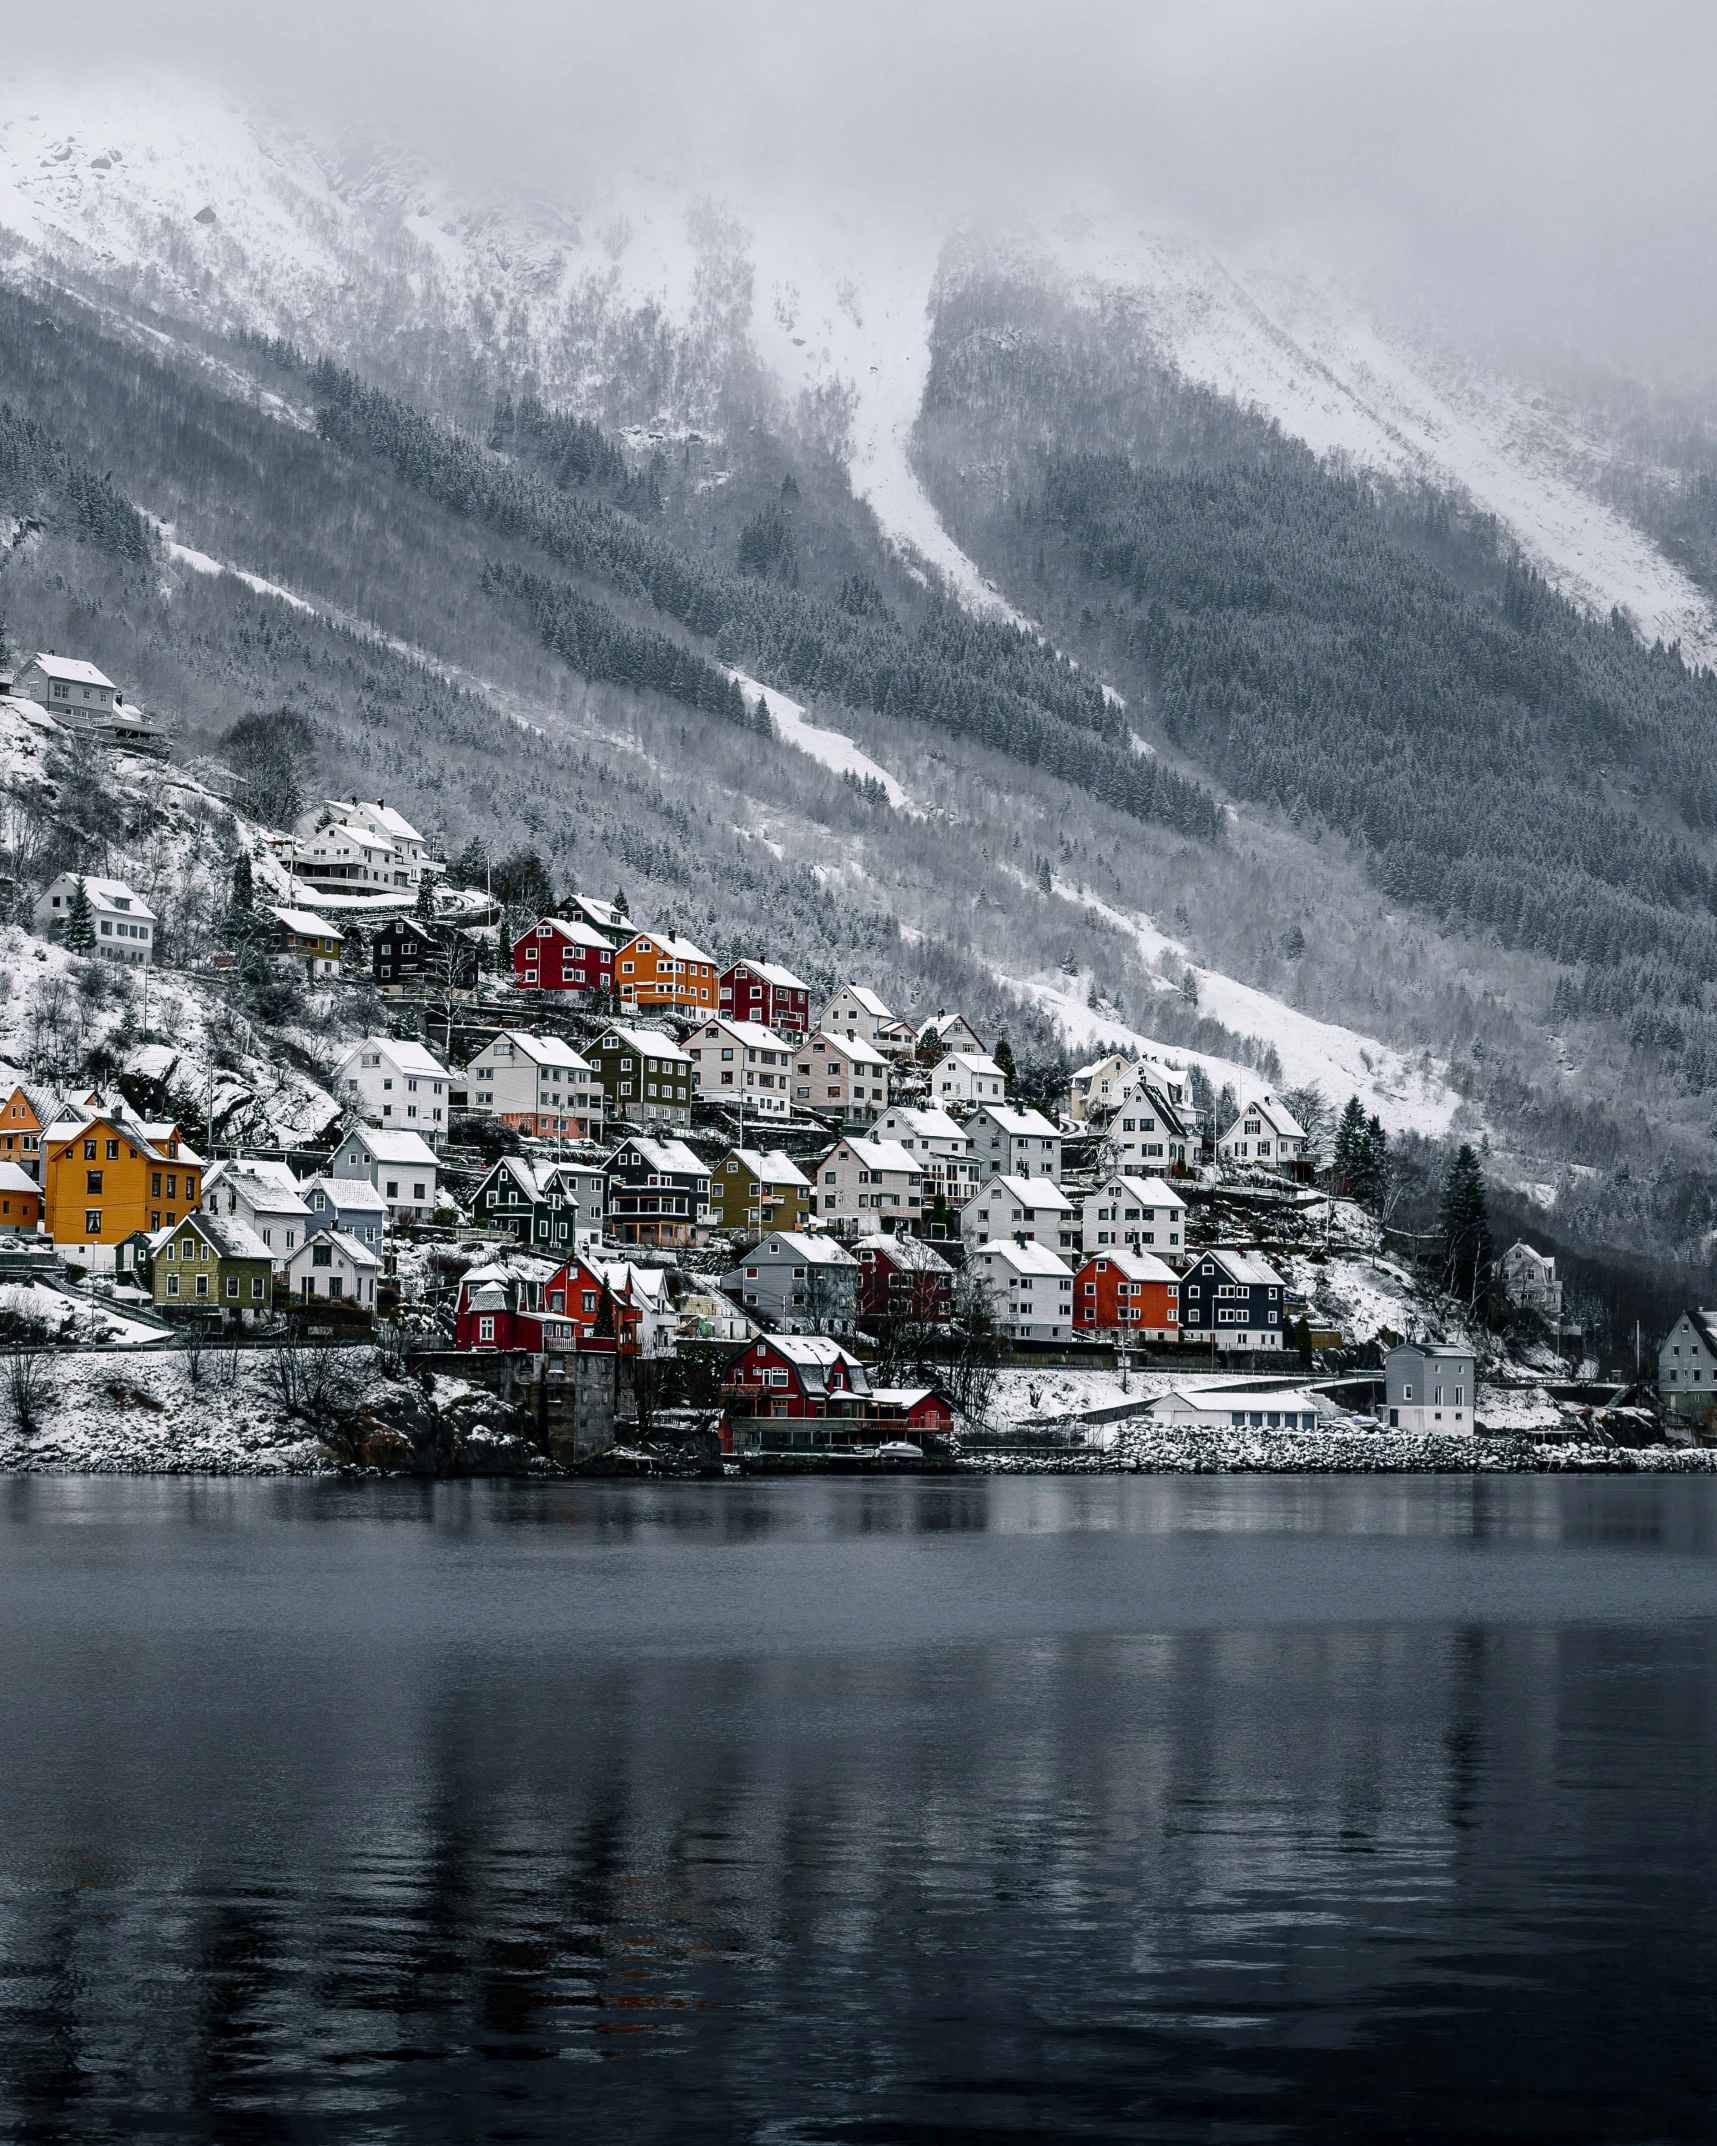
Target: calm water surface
(1188, 1809)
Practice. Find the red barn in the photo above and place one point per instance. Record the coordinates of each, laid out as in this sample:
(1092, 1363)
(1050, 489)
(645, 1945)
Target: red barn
(557, 956)
(760, 991)
(1127, 1293)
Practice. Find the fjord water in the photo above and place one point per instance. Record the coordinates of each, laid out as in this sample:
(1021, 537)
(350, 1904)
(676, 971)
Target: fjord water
(1187, 1809)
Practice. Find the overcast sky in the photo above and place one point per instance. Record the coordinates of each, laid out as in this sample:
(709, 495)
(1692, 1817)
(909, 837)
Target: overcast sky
(1549, 170)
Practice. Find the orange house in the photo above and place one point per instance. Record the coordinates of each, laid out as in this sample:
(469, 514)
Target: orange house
(20, 1199)
(1129, 1294)
(21, 1133)
(106, 1177)
(656, 969)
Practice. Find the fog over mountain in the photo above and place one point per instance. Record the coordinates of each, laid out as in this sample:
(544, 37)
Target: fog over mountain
(1544, 173)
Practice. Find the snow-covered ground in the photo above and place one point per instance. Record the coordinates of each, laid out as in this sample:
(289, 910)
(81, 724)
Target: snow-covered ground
(831, 748)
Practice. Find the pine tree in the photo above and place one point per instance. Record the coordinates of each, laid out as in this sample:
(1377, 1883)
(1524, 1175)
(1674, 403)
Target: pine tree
(424, 910)
(619, 905)
(504, 948)
(80, 922)
(1349, 1143)
(1004, 1057)
(471, 866)
(1465, 1221)
(1377, 1167)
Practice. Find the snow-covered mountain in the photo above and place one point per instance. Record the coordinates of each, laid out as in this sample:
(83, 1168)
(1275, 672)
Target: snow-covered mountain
(661, 309)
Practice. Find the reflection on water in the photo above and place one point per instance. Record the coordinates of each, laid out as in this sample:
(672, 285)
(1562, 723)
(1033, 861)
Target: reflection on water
(1196, 1808)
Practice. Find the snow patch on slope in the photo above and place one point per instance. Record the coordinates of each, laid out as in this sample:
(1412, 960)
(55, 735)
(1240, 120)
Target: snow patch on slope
(833, 748)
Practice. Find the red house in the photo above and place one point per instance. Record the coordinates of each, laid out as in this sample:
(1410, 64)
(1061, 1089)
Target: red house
(903, 1281)
(797, 1375)
(760, 991)
(557, 956)
(1127, 1293)
(534, 1305)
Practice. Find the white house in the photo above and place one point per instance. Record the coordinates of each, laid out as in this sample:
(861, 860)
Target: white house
(856, 1013)
(65, 685)
(954, 1032)
(1429, 1387)
(872, 1181)
(1266, 1132)
(1235, 1408)
(378, 848)
(1030, 1289)
(1095, 1092)
(1138, 1212)
(967, 1077)
(847, 1079)
(745, 1063)
(1014, 1143)
(941, 1145)
(398, 1084)
(1025, 1210)
(122, 922)
(1529, 1279)
(400, 1165)
(335, 1268)
(351, 1205)
(536, 1084)
(1687, 1365)
(805, 1284)
(265, 1197)
(1157, 1123)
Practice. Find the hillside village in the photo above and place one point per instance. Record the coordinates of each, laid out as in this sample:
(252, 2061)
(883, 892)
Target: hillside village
(320, 1099)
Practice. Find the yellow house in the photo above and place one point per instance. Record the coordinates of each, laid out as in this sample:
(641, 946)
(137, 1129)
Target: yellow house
(105, 1176)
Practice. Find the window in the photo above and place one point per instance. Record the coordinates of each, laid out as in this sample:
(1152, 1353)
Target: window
(172, 1279)
(322, 1255)
(113, 1151)
(94, 1182)
(92, 1222)
(202, 1285)
(256, 1288)
(232, 1285)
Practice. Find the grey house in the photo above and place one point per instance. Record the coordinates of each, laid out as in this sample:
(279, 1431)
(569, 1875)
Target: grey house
(1013, 1143)
(805, 1285)
(1687, 1365)
(1429, 1387)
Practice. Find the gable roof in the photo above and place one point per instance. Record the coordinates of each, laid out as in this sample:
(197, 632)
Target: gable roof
(564, 928)
(228, 1237)
(868, 1001)
(1018, 1124)
(774, 1167)
(1279, 1117)
(1133, 1266)
(752, 1035)
(928, 1124)
(259, 1189)
(1239, 1266)
(360, 1255)
(109, 894)
(911, 1254)
(1148, 1191)
(1029, 1191)
(347, 1192)
(540, 1050)
(815, 1251)
(305, 924)
(880, 1155)
(974, 1062)
(854, 1047)
(72, 670)
(390, 1146)
(772, 973)
(672, 1156)
(1023, 1258)
(407, 1057)
(648, 1042)
(664, 942)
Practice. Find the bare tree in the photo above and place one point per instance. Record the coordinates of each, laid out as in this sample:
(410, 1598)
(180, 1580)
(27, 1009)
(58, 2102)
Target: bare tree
(29, 1388)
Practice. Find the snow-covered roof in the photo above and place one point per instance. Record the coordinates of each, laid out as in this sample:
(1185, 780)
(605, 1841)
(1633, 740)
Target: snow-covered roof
(664, 942)
(1130, 1265)
(902, 1397)
(1148, 1191)
(1022, 1258)
(883, 1155)
(751, 1035)
(1234, 1400)
(231, 1238)
(12, 1179)
(1029, 1191)
(405, 1057)
(816, 1251)
(1242, 1266)
(911, 1253)
(306, 924)
(540, 1050)
(72, 670)
(812, 1351)
(973, 1062)
(854, 1047)
(108, 894)
(566, 928)
(360, 1255)
(349, 1193)
(867, 1000)
(1430, 1349)
(1019, 1124)
(774, 1167)
(651, 1042)
(386, 1145)
(1110, 1058)
(927, 1125)
(773, 973)
(665, 1155)
(260, 1189)
(1278, 1116)
(383, 816)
